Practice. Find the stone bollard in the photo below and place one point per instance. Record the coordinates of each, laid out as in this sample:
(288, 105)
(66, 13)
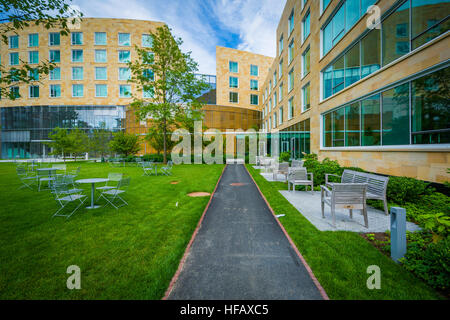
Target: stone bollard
(398, 233)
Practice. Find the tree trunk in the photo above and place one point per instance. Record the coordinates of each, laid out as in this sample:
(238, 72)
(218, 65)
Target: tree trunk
(165, 143)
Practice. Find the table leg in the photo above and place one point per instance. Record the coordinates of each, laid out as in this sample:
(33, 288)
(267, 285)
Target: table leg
(92, 206)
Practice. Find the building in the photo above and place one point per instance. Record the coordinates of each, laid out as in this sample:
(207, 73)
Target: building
(88, 89)
(371, 97)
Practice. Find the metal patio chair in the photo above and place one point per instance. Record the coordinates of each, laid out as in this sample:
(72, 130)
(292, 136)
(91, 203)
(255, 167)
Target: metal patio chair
(149, 168)
(45, 176)
(74, 173)
(64, 195)
(28, 179)
(113, 179)
(167, 169)
(114, 194)
(351, 196)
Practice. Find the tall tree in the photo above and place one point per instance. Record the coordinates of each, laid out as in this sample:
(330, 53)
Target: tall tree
(60, 142)
(78, 142)
(16, 15)
(156, 139)
(125, 144)
(167, 78)
(99, 142)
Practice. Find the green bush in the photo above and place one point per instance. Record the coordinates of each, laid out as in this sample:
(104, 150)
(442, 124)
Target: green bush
(285, 157)
(319, 169)
(403, 189)
(431, 263)
(155, 157)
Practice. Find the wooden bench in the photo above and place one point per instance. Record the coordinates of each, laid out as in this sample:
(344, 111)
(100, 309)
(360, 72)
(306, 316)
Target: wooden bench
(376, 185)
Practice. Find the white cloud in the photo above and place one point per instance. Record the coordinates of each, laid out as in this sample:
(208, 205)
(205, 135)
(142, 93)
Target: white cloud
(193, 20)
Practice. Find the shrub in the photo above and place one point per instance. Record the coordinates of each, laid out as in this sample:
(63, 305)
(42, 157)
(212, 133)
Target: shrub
(155, 157)
(402, 189)
(431, 263)
(285, 157)
(319, 169)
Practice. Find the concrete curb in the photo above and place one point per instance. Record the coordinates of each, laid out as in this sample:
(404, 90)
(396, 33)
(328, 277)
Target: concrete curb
(294, 247)
(188, 248)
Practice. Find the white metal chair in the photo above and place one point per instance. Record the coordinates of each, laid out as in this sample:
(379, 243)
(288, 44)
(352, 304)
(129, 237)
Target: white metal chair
(149, 168)
(299, 177)
(27, 179)
(351, 196)
(45, 176)
(167, 170)
(74, 173)
(114, 194)
(64, 195)
(62, 169)
(113, 180)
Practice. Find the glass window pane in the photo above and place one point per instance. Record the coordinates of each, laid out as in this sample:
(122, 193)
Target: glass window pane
(396, 115)
(55, 74)
(338, 128)
(395, 45)
(125, 91)
(55, 56)
(352, 68)
(100, 38)
(431, 108)
(100, 73)
(370, 53)
(352, 128)
(101, 90)
(427, 14)
(370, 109)
(124, 39)
(147, 40)
(327, 38)
(328, 82)
(100, 56)
(338, 75)
(234, 82)
(338, 25)
(365, 4)
(351, 13)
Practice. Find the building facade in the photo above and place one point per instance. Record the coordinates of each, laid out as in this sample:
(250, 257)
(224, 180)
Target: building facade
(371, 87)
(88, 89)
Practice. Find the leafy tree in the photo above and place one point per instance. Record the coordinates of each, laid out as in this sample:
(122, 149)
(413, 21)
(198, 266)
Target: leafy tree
(61, 142)
(16, 15)
(99, 142)
(78, 142)
(125, 144)
(156, 139)
(167, 77)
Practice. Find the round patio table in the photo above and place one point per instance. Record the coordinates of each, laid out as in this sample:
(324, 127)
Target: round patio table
(92, 182)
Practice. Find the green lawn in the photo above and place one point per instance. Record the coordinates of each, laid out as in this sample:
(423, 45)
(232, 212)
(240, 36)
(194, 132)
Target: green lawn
(131, 253)
(339, 260)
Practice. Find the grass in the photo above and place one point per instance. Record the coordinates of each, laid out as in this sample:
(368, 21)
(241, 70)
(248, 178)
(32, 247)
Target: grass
(339, 260)
(131, 253)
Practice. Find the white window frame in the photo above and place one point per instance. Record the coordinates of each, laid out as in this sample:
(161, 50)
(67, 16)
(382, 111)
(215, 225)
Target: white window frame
(50, 90)
(82, 55)
(101, 84)
(106, 40)
(229, 82)
(29, 92)
(73, 86)
(229, 97)
(95, 73)
(71, 39)
(122, 85)
(229, 69)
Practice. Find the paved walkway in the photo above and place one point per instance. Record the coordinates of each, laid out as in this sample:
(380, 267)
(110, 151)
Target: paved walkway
(240, 251)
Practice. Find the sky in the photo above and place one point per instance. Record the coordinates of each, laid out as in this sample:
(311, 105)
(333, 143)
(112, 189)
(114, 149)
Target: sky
(248, 25)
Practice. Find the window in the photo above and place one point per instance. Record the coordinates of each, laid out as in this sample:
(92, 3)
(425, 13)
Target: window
(280, 69)
(389, 30)
(100, 56)
(291, 22)
(306, 26)
(124, 56)
(291, 52)
(149, 94)
(33, 57)
(55, 56)
(54, 39)
(270, 105)
(395, 117)
(352, 66)
(33, 40)
(306, 98)
(149, 74)
(253, 84)
(100, 38)
(280, 92)
(33, 74)
(77, 55)
(280, 116)
(234, 97)
(77, 73)
(13, 42)
(77, 90)
(234, 67)
(343, 20)
(34, 91)
(101, 73)
(254, 70)
(291, 108)
(124, 74)
(291, 80)
(275, 120)
(234, 82)
(124, 39)
(370, 117)
(325, 4)
(306, 62)
(76, 38)
(270, 86)
(280, 45)
(55, 74)
(338, 135)
(15, 92)
(424, 30)
(101, 90)
(430, 108)
(254, 99)
(125, 91)
(370, 53)
(147, 40)
(274, 99)
(352, 128)
(13, 58)
(55, 91)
